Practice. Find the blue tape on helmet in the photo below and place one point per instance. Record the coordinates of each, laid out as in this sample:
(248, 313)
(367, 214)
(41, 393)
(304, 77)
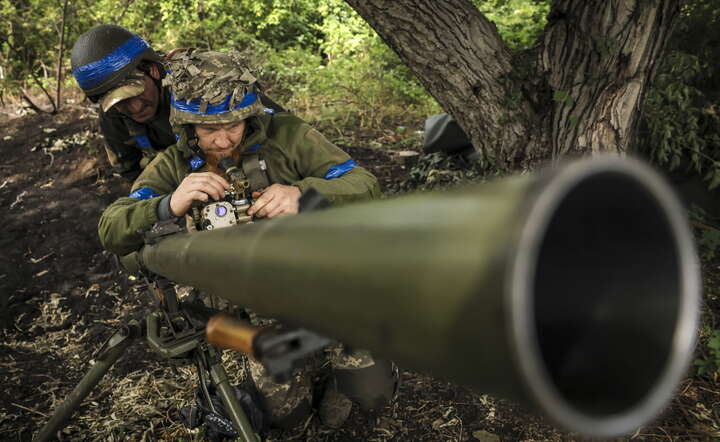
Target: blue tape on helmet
(340, 169)
(143, 141)
(254, 147)
(268, 110)
(196, 162)
(144, 193)
(90, 74)
(193, 106)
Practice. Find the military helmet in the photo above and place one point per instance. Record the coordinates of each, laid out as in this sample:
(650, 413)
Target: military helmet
(209, 87)
(103, 56)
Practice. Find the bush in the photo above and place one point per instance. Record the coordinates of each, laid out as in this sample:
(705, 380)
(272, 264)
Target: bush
(680, 121)
(352, 80)
(519, 22)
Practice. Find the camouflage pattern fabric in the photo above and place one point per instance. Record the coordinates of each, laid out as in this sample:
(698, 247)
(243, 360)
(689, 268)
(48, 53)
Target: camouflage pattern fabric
(342, 360)
(208, 79)
(282, 399)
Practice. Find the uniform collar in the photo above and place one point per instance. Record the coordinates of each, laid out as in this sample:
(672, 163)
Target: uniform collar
(257, 131)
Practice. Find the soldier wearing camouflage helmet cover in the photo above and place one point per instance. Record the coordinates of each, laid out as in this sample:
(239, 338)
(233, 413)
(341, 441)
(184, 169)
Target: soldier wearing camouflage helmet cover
(123, 74)
(217, 113)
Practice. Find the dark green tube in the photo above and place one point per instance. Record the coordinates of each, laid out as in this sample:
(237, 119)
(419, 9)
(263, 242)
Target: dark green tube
(116, 347)
(575, 289)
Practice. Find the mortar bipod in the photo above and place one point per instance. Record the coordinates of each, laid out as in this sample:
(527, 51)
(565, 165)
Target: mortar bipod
(173, 333)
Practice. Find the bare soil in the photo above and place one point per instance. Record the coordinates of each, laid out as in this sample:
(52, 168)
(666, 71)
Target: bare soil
(61, 295)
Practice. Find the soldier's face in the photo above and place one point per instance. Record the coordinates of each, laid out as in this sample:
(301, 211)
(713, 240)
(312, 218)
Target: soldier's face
(219, 140)
(143, 107)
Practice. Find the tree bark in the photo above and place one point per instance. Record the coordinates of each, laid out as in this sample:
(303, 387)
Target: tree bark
(579, 91)
(458, 56)
(60, 56)
(599, 57)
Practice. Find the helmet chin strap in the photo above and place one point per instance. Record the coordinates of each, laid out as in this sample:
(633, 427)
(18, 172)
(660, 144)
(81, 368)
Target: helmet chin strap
(192, 141)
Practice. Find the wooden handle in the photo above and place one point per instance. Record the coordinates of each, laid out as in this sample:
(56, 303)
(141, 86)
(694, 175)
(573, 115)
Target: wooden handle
(224, 331)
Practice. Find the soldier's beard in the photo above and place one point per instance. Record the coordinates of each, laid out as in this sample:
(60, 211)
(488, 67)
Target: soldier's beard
(213, 158)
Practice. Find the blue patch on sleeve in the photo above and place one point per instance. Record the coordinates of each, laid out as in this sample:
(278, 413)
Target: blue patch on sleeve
(340, 170)
(196, 162)
(177, 137)
(254, 147)
(143, 141)
(90, 74)
(144, 193)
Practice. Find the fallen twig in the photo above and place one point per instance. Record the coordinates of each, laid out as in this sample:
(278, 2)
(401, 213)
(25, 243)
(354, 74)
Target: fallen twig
(18, 199)
(37, 260)
(29, 409)
(703, 226)
(52, 157)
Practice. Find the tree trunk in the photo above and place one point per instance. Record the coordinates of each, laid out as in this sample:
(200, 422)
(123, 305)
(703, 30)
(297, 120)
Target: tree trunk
(60, 56)
(579, 91)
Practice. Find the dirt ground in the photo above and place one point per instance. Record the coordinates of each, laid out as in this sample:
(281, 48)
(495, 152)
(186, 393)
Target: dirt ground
(61, 295)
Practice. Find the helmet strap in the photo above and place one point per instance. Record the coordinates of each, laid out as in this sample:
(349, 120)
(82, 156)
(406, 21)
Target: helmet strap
(192, 140)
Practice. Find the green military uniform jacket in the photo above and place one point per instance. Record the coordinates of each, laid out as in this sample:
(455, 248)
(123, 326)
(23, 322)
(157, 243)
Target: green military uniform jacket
(295, 154)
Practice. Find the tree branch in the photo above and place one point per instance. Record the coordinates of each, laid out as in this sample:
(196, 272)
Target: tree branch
(38, 83)
(60, 56)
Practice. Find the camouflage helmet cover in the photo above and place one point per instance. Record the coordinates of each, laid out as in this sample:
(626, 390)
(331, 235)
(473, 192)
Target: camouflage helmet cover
(211, 88)
(105, 55)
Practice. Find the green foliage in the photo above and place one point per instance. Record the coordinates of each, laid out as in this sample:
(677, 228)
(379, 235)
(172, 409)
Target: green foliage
(319, 57)
(710, 365)
(708, 237)
(353, 80)
(30, 31)
(519, 22)
(439, 170)
(681, 121)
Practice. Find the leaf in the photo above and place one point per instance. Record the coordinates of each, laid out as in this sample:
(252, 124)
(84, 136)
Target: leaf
(714, 343)
(563, 97)
(715, 180)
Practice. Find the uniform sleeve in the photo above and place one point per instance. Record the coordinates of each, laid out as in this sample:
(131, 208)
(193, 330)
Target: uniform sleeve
(122, 223)
(120, 146)
(330, 171)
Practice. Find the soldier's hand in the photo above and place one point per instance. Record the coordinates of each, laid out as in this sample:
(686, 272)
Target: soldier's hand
(197, 187)
(276, 200)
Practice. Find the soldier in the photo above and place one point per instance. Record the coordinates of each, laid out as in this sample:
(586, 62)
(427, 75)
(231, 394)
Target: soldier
(216, 110)
(123, 74)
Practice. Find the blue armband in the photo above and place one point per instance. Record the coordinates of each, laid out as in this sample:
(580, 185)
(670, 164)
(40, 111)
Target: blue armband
(143, 141)
(340, 169)
(144, 193)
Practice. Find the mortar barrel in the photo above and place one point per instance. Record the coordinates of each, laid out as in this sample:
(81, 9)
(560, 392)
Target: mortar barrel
(575, 289)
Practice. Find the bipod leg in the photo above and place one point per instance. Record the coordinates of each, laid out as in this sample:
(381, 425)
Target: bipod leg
(209, 357)
(105, 358)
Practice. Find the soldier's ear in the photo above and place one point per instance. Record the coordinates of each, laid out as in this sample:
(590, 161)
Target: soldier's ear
(154, 71)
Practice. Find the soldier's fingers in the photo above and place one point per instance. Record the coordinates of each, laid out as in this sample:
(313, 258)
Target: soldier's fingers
(210, 177)
(198, 195)
(269, 208)
(260, 203)
(213, 189)
(278, 210)
(220, 180)
(209, 186)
